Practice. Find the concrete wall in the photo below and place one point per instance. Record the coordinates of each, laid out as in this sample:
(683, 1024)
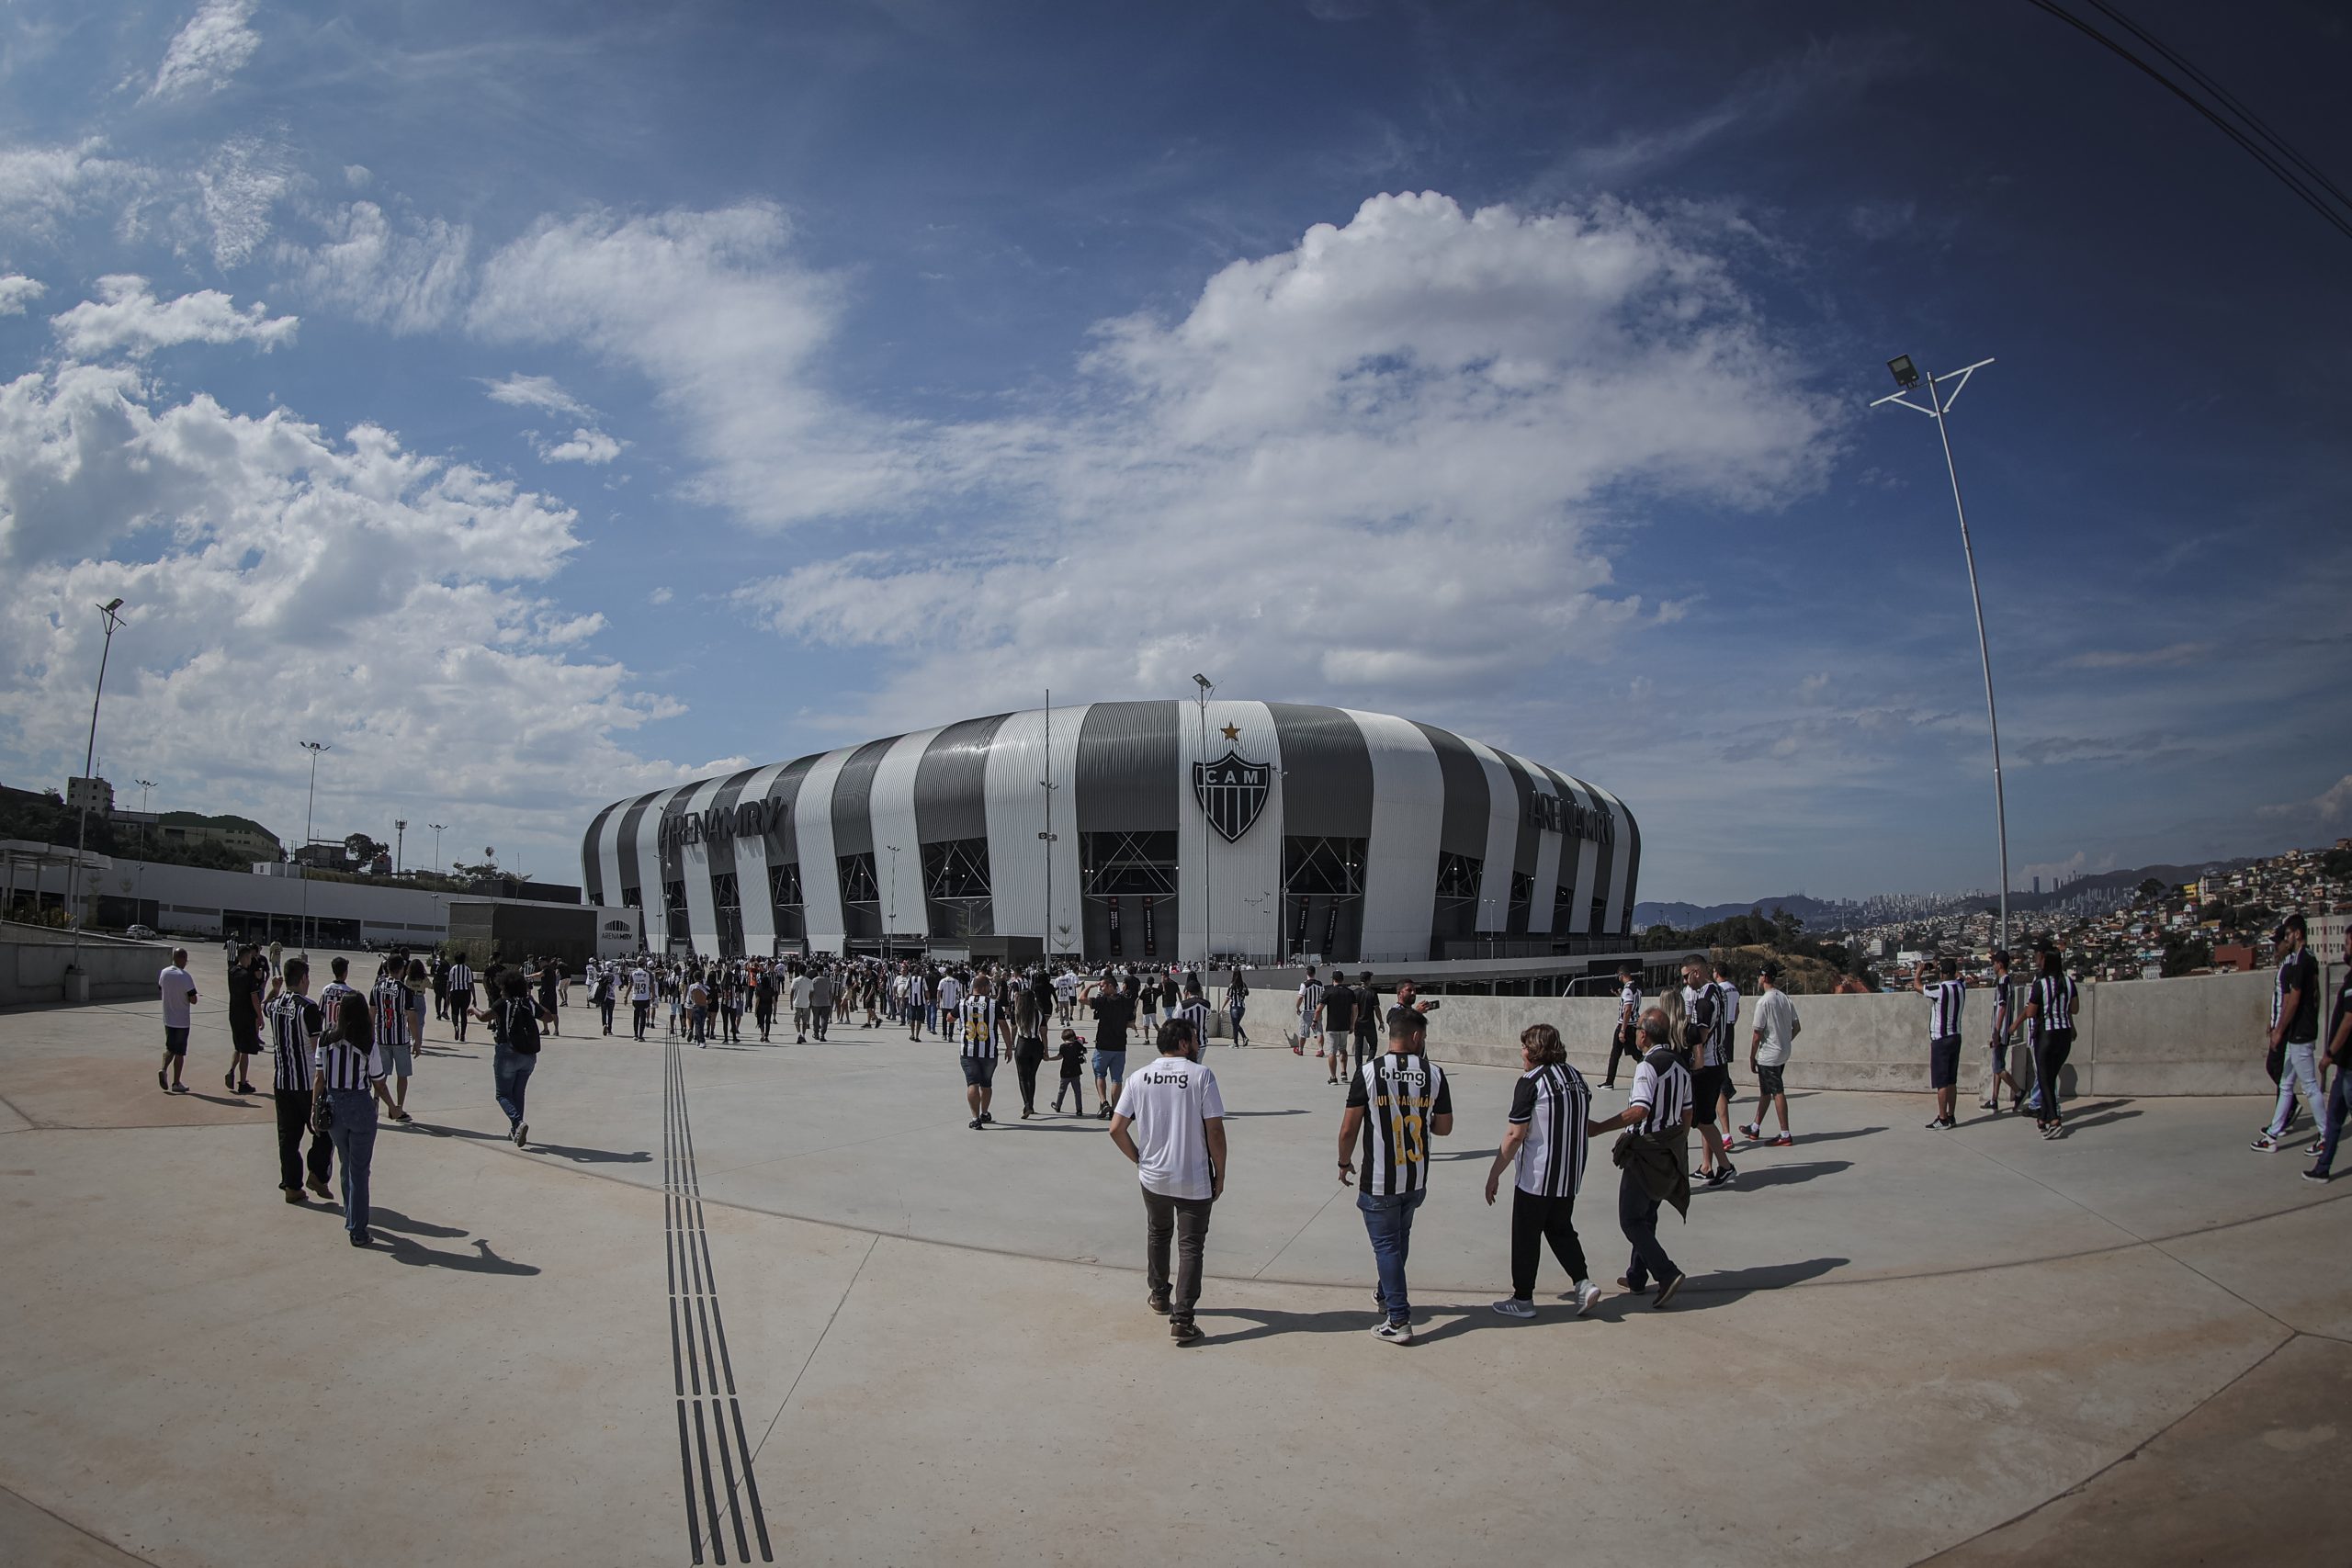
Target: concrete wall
(2199, 1036)
(32, 966)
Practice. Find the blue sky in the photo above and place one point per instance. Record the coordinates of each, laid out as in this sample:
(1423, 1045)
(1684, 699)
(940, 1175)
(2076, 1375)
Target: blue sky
(546, 402)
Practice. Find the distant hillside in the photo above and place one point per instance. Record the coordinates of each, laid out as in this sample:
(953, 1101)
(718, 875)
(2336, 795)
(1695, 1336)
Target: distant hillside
(1683, 917)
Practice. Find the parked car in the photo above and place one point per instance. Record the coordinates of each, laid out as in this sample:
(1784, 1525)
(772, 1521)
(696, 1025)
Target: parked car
(141, 934)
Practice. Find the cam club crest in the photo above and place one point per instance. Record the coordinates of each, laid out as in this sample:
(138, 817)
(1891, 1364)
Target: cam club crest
(1232, 791)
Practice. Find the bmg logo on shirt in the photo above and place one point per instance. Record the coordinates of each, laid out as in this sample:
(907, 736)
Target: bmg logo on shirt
(1153, 1075)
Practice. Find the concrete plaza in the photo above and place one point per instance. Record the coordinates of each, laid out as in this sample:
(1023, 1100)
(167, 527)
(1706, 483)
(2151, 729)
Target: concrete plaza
(783, 1295)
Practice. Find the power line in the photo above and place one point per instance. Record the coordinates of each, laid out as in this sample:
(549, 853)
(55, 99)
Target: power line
(2279, 170)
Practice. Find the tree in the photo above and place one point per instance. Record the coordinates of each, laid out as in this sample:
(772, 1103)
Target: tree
(359, 847)
(2151, 888)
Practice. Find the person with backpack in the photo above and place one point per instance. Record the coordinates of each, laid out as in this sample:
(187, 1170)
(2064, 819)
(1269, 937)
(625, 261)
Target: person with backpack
(515, 1026)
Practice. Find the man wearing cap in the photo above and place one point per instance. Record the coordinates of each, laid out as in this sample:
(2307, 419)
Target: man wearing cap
(2294, 1031)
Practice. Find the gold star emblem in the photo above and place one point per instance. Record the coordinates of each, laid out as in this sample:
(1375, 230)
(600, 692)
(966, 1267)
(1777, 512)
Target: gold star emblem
(1232, 732)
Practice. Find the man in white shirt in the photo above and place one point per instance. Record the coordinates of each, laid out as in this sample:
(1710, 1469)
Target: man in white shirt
(1171, 1123)
(177, 987)
(640, 999)
(1767, 1054)
(801, 986)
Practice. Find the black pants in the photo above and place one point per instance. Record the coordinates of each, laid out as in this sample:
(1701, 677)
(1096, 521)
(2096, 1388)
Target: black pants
(293, 1121)
(1637, 1217)
(1075, 1087)
(1186, 1221)
(820, 1019)
(1620, 1044)
(2055, 1046)
(765, 1018)
(1026, 1060)
(605, 1006)
(639, 1013)
(460, 1003)
(1536, 1220)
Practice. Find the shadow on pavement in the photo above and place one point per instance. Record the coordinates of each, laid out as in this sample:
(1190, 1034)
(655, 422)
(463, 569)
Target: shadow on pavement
(1804, 1138)
(393, 1220)
(1728, 1285)
(2074, 1123)
(1751, 1177)
(1295, 1111)
(588, 1156)
(482, 1260)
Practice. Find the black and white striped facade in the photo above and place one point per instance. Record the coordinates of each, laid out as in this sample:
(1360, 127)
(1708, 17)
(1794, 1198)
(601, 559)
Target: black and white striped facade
(1355, 836)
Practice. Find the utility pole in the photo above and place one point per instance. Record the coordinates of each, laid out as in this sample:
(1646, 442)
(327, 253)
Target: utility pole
(890, 912)
(1048, 785)
(89, 785)
(400, 837)
(1208, 940)
(1907, 376)
(310, 822)
(437, 867)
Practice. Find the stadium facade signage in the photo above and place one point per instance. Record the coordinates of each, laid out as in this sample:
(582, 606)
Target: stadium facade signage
(1553, 813)
(1232, 791)
(722, 822)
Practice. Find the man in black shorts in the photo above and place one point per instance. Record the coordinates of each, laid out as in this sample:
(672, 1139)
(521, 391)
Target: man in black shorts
(245, 985)
(1709, 1070)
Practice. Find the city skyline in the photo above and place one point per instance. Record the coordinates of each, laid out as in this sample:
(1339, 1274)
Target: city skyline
(543, 412)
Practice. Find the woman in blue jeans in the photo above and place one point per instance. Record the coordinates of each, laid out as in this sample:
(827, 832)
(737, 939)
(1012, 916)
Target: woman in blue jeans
(348, 1072)
(514, 1020)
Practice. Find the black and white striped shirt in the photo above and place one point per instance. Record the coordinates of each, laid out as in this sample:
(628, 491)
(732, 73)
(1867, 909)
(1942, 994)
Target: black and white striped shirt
(1945, 998)
(294, 1023)
(462, 980)
(1662, 1088)
(1194, 1011)
(1400, 1095)
(2054, 995)
(347, 1066)
(2003, 1024)
(389, 999)
(978, 1015)
(1726, 1017)
(1552, 1103)
(331, 1002)
(1310, 1001)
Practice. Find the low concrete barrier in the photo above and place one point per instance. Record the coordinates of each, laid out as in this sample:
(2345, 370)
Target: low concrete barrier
(2199, 1035)
(33, 963)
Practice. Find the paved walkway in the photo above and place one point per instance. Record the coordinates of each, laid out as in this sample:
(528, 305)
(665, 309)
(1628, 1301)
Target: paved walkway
(782, 1296)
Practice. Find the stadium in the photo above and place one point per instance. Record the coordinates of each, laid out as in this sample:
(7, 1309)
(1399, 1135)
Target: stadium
(1106, 831)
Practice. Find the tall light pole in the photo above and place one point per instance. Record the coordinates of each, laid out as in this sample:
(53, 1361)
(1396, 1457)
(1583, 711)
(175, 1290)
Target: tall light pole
(310, 817)
(89, 783)
(146, 787)
(437, 867)
(1048, 785)
(1942, 392)
(890, 907)
(1208, 939)
(400, 837)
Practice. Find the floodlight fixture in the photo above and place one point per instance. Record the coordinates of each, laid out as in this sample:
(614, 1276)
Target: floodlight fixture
(1906, 374)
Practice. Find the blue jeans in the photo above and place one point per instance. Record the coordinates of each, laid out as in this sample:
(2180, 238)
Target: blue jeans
(1388, 1220)
(1637, 1217)
(513, 1070)
(2339, 1104)
(352, 1130)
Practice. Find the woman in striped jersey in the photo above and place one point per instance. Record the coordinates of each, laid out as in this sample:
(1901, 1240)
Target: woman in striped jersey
(1547, 1138)
(2050, 1022)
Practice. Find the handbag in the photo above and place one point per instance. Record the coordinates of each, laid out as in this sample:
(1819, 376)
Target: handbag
(321, 1115)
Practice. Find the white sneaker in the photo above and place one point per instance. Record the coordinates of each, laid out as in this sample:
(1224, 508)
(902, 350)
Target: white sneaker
(1394, 1333)
(1514, 1307)
(1588, 1296)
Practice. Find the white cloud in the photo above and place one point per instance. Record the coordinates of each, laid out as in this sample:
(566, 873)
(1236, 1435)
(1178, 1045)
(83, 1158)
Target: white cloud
(17, 291)
(658, 596)
(236, 188)
(358, 176)
(2332, 804)
(390, 602)
(2164, 658)
(537, 392)
(408, 280)
(42, 188)
(1426, 409)
(128, 318)
(714, 310)
(590, 446)
(207, 51)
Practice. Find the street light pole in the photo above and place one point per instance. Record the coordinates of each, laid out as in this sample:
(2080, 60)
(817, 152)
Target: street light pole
(890, 906)
(437, 867)
(1048, 785)
(1208, 940)
(1942, 392)
(400, 837)
(89, 784)
(310, 817)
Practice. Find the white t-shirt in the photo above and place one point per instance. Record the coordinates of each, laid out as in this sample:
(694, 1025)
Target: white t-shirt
(1775, 1014)
(950, 991)
(174, 983)
(640, 986)
(1167, 1099)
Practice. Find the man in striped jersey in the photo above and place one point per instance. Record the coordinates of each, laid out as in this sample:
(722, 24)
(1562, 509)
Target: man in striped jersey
(1550, 1111)
(1310, 1012)
(1653, 1160)
(461, 994)
(2050, 1022)
(294, 1024)
(985, 1030)
(1395, 1105)
(389, 1002)
(2005, 1030)
(1710, 1072)
(1193, 1009)
(1944, 1003)
(1727, 1047)
(1626, 1040)
(337, 988)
